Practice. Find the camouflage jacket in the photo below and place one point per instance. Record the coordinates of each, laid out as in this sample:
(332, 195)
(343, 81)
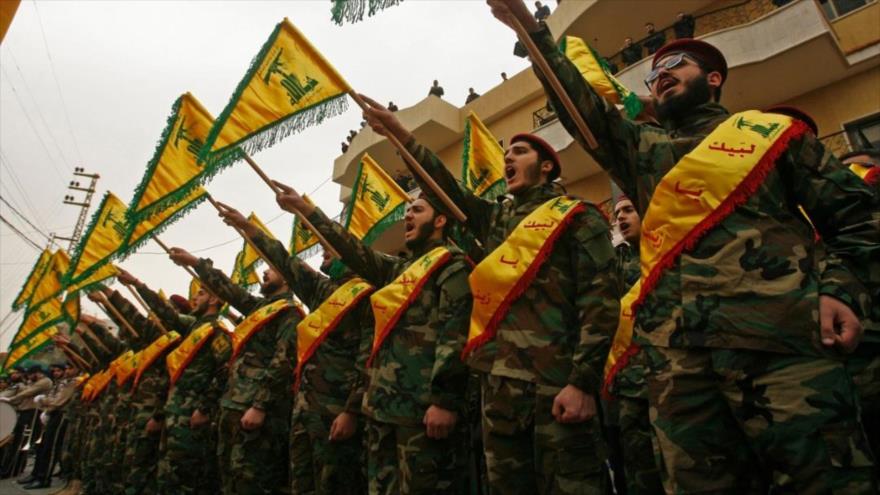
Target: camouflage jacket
(630, 381)
(103, 344)
(331, 376)
(203, 381)
(559, 331)
(753, 282)
(261, 374)
(419, 363)
(148, 398)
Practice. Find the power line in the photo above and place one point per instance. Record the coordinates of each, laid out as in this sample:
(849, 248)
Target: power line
(14, 210)
(17, 183)
(20, 234)
(57, 84)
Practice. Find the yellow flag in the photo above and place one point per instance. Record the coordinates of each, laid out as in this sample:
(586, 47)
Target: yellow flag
(173, 171)
(598, 75)
(194, 286)
(376, 202)
(104, 236)
(71, 308)
(165, 297)
(50, 284)
(100, 275)
(244, 273)
(37, 319)
(30, 283)
(160, 218)
(289, 86)
(302, 240)
(482, 169)
(29, 347)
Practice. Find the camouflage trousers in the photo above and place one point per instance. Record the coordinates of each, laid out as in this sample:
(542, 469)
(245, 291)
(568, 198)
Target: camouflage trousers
(865, 371)
(141, 456)
(528, 451)
(253, 462)
(94, 473)
(639, 448)
(403, 460)
(188, 458)
(796, 414)
(319, 466)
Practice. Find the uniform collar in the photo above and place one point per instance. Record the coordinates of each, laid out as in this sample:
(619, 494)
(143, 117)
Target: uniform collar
(698, 120)
(535, 194)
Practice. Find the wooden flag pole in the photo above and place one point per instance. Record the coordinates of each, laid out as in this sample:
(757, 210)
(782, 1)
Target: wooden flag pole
(144, 305)
(302, 218)
(76, 357)
(416, 167)
(245, 237)
(117, 314)
(544, 67)
(94, 337)
(188, 269)
(90, 351)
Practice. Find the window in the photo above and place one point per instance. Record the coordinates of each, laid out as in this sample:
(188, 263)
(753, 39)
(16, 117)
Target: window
(836, 8)
(865, 132)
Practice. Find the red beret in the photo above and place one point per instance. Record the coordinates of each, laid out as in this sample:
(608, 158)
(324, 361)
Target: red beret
(702, 51)
(795, 113)
(181, 302)
(537, 142)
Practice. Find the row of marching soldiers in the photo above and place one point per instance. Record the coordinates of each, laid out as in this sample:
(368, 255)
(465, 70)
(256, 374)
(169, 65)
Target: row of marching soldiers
(741, 362)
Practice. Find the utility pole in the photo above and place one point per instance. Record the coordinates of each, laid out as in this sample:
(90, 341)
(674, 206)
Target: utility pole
(83, 205)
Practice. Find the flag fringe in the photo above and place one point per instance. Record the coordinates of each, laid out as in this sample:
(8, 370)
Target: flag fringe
(353, 10)
(128, 248)
(67, 279)
(309, 251)
(382, 225)
(26, 303)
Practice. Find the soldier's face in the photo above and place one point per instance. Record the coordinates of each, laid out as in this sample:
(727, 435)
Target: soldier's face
(57, 373)
(201, 301)
(674, 82)
(272, 281)
(628, 221)
(326, 261)
(521, 168)
(420, 223)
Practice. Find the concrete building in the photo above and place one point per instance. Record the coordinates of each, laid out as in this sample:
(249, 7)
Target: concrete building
(822, 56)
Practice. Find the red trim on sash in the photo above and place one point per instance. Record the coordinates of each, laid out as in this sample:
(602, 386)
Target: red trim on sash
(257, 328)
(415, 292)
(192, 355)
(521, 285)
(332, 326)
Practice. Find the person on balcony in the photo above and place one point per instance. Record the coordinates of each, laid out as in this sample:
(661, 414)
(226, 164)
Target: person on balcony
(541, 11)
(684, 26)
(472, 95)
(655, 39)
(436, 90)
(632, 52)
(744, 321)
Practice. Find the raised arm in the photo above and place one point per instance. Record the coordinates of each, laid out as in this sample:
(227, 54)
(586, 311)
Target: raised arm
(217, 281)
(146, 328)
(373, 266)
(169, 316)
(478, 210)
(618, 138)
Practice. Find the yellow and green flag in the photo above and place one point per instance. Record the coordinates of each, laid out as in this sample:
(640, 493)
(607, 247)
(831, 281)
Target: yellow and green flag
(51, 284)
(244, 273)
(353, 10)
(173, 171)
(27, 290)
(598, 75)
(482, 169)
(101, 275)
(288, 87)
(194, 286)
(103, 239)
(303, 242)
(37, 319)
(377, 202)
(153, 224)
(28, 347)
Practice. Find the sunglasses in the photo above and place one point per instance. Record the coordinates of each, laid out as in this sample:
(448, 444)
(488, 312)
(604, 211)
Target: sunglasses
(671, 63)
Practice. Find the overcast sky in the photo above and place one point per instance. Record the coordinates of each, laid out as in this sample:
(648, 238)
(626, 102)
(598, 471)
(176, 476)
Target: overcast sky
(91, 84)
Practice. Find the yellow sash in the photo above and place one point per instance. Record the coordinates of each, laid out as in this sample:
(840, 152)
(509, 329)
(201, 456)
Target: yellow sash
(152, 352)
(89, 386)
(126, 364)
(255, 322)
(178, 359)
(314, 328)
(100, 382)
(390, 302)
(508, 270)
(705, 186)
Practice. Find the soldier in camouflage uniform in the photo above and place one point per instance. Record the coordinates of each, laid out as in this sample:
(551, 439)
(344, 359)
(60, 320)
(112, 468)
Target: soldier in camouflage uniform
(543, 370)
(188, 451)
(147, 404)
(416, 388)
(255, 408)
(748, 330)
(638, 445)
(326, 441)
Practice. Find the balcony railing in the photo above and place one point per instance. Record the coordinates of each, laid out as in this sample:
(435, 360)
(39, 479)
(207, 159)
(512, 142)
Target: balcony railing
(716, 20)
